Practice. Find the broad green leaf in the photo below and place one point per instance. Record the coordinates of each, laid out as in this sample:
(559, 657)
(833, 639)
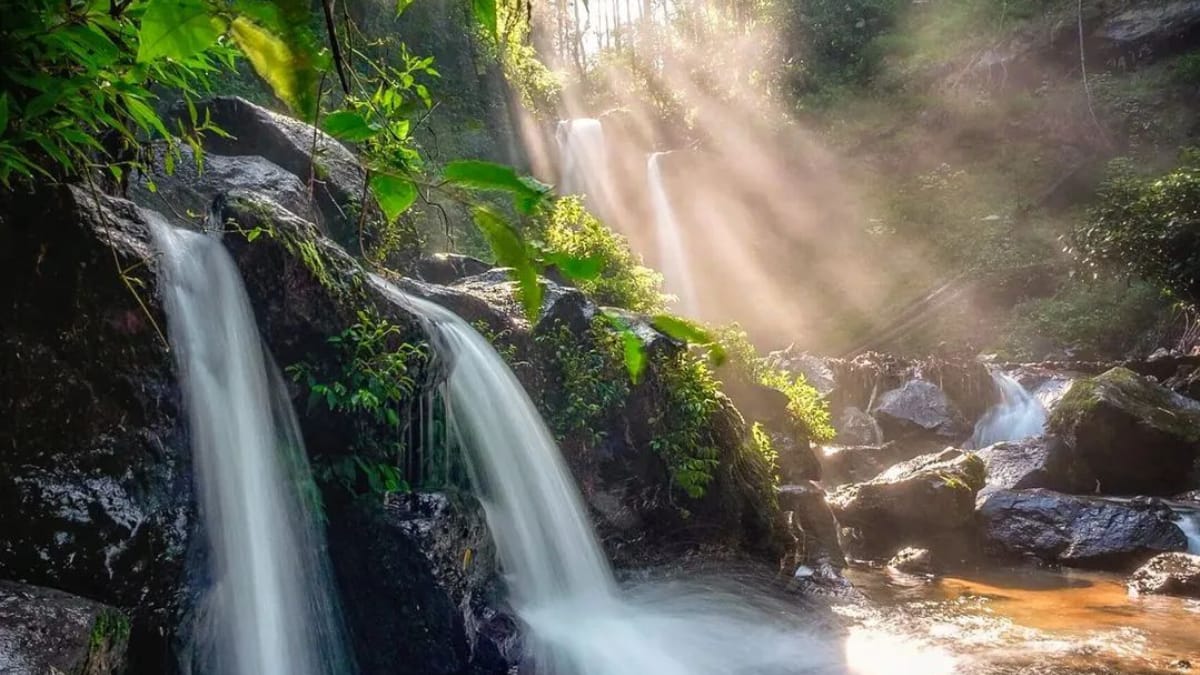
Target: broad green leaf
(394, 194)
(177, 29)
(511, 251)
(485, 14)
(574, 267)
(287, 71)
(3, 112)
(692, 333)
(348, 126)
(634, 353)
(402, 5)
(681, 329)
(475, 174)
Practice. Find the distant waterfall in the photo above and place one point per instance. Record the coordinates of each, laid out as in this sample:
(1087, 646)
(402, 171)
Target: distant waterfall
(583, 160)
(672, 261)
(579, 622)
(271, 609)
(1019, 414)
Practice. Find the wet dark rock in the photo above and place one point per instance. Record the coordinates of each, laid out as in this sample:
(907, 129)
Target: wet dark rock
(44, 631)
(337, 178)
(1142, 33)
(1037, 462)
(418, 587)
(860, 463)
(797, 459)
(185, 196)
(855, 427)
(927, 501)
(447, 268)
(913, 561)
(1168, 574)
(1076, 530)
(1128, 433)
(811, 526)
(95, 482)
(919, 409)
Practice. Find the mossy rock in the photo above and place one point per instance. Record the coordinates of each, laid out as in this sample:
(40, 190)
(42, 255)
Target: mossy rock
(1127, 434)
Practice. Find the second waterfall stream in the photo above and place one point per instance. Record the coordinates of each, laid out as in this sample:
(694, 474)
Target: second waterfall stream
(580, 622)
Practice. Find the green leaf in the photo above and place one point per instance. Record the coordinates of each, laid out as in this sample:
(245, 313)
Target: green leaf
(3, 112)
(289, 72)
(349, 126)
(176, 29)
(394, 194)
(485, 14)
(487, 176)
(634, 353)
(402, 5)
(681, 329)
(574, 267)
(511, 251)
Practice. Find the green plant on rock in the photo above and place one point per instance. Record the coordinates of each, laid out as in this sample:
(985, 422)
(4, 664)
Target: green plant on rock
(685, 436)
(109, 630)
(590, 384)
(570, 230)
(370, 382)
(805, 405)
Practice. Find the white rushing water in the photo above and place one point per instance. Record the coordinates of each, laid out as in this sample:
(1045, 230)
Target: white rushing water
(672, 255)
(579, 622)
(271, 609)
(1188, 520)
(1019, 414)
(583, 159)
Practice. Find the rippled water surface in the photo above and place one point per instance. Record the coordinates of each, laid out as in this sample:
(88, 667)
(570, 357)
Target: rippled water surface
(1020, 621)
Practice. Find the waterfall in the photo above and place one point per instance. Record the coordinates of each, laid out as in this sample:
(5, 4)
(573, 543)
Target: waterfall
(1018, 415)
(579, 622)
(1188, 520)
(584, 161)
(672, 262)
(271, 609)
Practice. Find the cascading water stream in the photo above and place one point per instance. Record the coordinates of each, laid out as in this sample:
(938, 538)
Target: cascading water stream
(579, 621)
(673, 263)
(1188, 520)
(271, 608)
(1019, 414)
(583, 157)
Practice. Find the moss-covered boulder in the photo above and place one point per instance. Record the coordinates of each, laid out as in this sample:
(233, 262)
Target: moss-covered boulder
(1127, 435)
(47, 631)
(928, 501)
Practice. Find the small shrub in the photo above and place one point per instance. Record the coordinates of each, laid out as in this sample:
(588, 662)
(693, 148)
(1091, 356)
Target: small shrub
(685, 439)
(1149, 225)
(623, 280)
(370, 383)
(591, 382)
(805, 404)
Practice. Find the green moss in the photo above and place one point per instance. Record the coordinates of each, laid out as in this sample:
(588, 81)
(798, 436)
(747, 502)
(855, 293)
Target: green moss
(1127, 391)
(111, 628)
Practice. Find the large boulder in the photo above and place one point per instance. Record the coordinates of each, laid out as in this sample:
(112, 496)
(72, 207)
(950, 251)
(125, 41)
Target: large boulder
(841, 464)
(1168, 574)
(1128, 434)
(855, 427)
(447, 268)
(95, 477)
(1147, 31)
(1037, 462)
(928, 501)
(418, 587)
(1075, 530)
(919, 408)
(337, 179)
(185, 195)
(44, 631)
